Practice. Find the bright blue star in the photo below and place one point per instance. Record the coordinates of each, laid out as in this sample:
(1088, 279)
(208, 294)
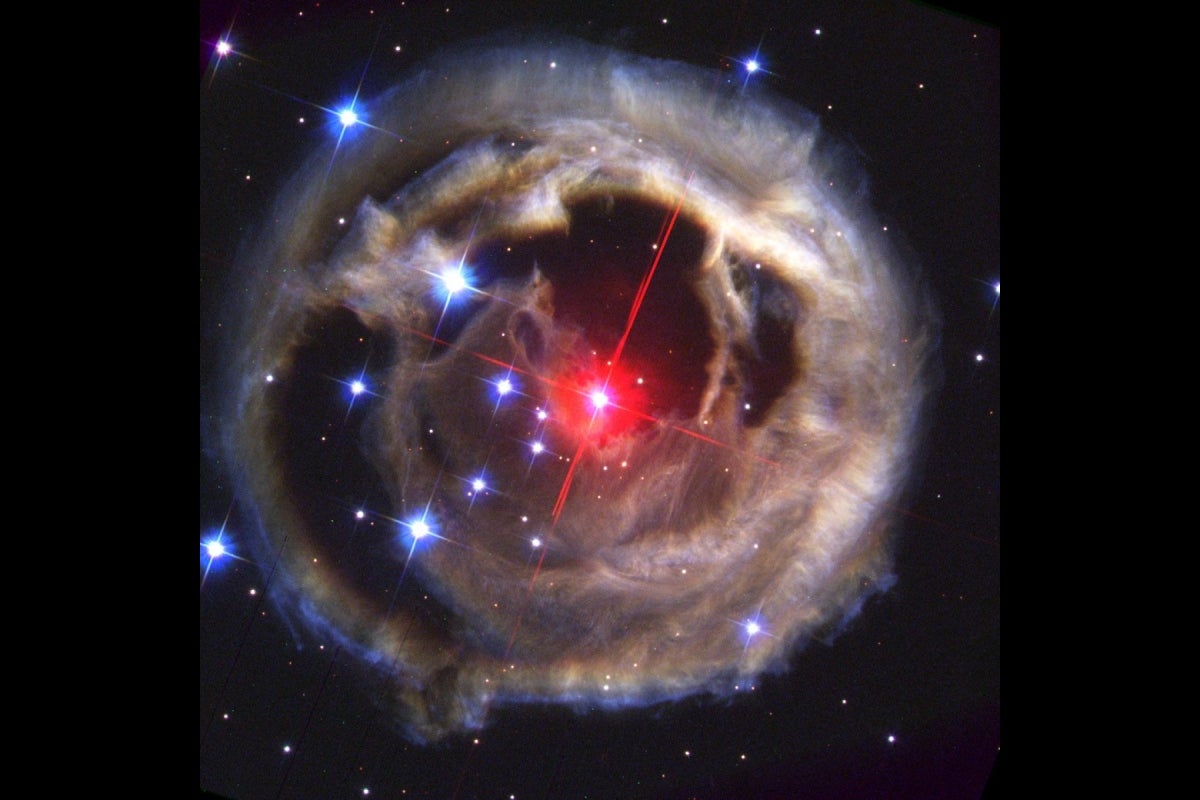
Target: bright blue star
(357, 388)
(753, 65)
(504, 385)
(751, 629)
(451, 284)
(417, 532)
(455, 281)
(477, 487)
(345, 121)
(215, 550)
(420, 528)
(414, 533)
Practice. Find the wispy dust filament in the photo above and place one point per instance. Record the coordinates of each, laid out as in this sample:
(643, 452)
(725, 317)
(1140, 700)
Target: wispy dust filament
(664, 537)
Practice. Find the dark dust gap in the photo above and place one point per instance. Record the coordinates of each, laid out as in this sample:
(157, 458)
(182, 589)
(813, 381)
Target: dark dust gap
(769, 366)
(596, 269)
(319, 448)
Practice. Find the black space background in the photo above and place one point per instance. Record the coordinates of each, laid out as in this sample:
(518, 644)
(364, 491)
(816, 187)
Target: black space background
(922, 663)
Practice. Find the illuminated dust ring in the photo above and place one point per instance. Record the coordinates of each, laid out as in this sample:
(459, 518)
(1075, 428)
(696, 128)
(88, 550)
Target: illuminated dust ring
(644, 596)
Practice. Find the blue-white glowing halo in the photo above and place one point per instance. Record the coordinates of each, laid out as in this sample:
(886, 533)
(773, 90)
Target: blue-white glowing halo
(785, 524)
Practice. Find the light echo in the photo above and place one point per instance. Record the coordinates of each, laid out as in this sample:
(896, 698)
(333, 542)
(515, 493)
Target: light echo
(765, 493)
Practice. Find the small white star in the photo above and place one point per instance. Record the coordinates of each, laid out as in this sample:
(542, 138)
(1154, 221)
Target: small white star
(478, 484)
(504, 386)
(287, 748)
(538, 447)
(224, 48)
(357, 387)
(891, 739)
(420, 529)
(347, 117)
(215, 549)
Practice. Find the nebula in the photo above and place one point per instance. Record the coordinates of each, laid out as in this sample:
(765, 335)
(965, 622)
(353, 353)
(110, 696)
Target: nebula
(603, 391)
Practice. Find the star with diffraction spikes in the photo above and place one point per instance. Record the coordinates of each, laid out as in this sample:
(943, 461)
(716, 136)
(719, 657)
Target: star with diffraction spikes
(216, 548)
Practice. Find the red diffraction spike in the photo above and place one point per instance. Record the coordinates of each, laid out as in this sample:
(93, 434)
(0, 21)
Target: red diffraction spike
(649, 276)
(614, 380)
(584, 413)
